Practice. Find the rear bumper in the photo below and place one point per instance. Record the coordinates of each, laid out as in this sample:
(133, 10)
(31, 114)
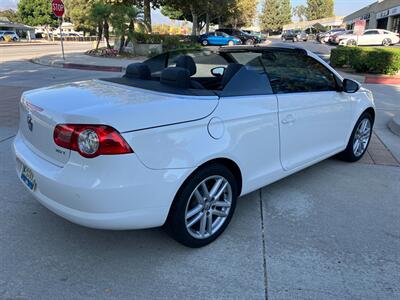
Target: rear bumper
(108, 192)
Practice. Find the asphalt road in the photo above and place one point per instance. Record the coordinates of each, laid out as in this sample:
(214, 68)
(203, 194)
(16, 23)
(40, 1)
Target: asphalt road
(22, 52)
(331, 231)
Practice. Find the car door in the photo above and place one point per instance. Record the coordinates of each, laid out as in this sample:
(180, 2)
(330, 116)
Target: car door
(370, 37)
(212, 39)
(314, 117)
(220, 39)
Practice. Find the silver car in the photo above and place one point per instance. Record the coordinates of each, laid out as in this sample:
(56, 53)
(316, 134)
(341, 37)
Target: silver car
(14, 36)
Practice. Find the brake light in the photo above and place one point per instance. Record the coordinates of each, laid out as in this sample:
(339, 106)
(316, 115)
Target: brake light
(90, 140)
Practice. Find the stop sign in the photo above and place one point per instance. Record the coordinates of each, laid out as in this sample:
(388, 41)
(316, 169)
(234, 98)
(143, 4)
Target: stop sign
(58, 8)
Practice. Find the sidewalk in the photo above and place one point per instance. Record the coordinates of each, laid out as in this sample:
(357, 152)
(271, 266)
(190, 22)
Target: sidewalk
(86, 62)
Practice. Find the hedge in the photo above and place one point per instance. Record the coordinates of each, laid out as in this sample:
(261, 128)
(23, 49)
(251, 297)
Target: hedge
(367, 59)
(169, 42)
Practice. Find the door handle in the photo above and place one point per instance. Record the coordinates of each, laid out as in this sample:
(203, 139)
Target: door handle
(289, 119)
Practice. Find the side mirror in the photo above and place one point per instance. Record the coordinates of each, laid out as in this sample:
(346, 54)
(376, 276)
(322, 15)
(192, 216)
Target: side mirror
(350, 86)
(218, 71)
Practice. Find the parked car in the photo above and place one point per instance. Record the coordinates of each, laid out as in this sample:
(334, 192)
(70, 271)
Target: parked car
(218, 39)
(12, 34)
(246, 38)
(336, 37)
(371, 37)
(294, 35)
(258, 34)
(324, 37)
(73, 34)
(179, 138)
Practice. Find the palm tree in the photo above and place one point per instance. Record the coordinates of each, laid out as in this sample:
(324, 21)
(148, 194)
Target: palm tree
(123, 19)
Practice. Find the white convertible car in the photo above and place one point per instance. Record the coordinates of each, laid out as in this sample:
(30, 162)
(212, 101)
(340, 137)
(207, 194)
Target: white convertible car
(178, 138)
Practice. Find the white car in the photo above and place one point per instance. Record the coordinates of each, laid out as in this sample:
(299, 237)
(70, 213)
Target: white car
(324, 37)
(14, 36)
(371, 37)
(177, 145)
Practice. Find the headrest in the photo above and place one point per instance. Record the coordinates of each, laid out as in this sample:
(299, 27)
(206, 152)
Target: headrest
(138, 71)
(230, 71)
(187, 62)
(176, 77)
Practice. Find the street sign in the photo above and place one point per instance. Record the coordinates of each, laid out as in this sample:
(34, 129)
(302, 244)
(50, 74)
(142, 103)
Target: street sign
(58, 8)
(359, 27)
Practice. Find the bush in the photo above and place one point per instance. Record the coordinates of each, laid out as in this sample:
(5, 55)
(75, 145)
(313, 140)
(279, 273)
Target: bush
(169, 42)
(367, 59)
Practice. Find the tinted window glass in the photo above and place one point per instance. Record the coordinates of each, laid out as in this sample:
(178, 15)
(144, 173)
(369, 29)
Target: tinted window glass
(371, 32)
(293, 73)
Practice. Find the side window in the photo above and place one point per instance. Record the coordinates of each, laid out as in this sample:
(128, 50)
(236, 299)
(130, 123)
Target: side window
(296, 73)
(371, 32)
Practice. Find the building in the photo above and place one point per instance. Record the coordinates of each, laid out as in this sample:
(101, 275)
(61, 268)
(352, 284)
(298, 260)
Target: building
(382, 14)
(22, 30)
(331, 22)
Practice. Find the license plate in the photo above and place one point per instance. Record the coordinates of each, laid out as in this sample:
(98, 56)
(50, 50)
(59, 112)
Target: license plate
(28, 178)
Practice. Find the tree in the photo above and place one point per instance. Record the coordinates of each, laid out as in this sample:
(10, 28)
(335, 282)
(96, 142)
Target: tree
(123, 18)
(99, 14)
(300, 11)
(36, 12)
(10, 14)
(241, 12)
(318, 9)
(147, 6)
(79, 13)
(270, 19)
(285, 12)
(192, 11)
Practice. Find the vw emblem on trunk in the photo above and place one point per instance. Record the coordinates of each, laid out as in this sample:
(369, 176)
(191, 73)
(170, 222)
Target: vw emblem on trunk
(29, 121)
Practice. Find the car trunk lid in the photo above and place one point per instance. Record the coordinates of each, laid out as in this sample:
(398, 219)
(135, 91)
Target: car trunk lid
(98, 102)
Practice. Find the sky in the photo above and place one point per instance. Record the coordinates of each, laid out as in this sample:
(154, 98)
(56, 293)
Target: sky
(342, 7)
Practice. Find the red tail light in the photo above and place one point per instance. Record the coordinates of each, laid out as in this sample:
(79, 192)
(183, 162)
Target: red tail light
(90, 140)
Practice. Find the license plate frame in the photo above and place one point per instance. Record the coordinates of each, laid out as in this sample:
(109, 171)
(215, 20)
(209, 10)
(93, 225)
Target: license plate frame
(28, 177)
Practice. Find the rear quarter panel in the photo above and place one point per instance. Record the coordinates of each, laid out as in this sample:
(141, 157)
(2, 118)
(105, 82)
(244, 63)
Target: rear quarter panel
(245, 130)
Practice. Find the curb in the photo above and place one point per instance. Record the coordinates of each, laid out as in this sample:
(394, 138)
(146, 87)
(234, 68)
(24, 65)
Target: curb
(382, 79)
(27, 44)
(92, 67)
(394, 125)
(76, 66)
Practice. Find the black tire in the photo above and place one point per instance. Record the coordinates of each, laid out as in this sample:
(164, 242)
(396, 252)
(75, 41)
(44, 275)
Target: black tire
(15, 39)
(204, 42)
(348, 154)
(249, 42)
(176, 223)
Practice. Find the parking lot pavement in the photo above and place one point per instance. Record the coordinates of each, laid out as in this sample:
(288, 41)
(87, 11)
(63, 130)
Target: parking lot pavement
(333, 232)
(46, 257)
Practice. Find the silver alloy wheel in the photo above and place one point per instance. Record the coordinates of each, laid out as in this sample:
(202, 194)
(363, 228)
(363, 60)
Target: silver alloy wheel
(208, 207)
(361, 137)
(386, 42)
(352, 43)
